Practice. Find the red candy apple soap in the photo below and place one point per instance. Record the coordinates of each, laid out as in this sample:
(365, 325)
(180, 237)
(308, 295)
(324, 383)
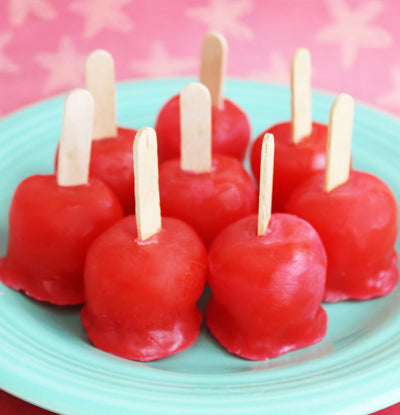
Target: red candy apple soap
(144, 275)
(207, 191)
(267, 276)
(230, 125)
(54, 218)
(112, 158)
(300, 144)
(355, 213)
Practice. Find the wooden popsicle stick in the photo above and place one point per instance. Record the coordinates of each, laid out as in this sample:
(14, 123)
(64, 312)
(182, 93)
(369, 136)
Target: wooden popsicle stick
(213, 66)
(340, 130)
(100, 82)
(266, 177)
(301, 95)
(196, 143)
(76, 139)
(147, 195)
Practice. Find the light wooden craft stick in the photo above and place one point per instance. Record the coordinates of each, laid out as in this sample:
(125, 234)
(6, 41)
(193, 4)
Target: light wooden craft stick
(76, 139)
(213, 66)
(100, 82)
(196, 143)
(301, 95)
(266, 176)
(147, 195)
(340, 130)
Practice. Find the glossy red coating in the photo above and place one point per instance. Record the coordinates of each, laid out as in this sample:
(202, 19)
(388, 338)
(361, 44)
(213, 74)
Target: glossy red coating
(51, 228)
(267, 290)
(358, 225)
(230, 130)
(207, 201)
(293, 163)
(141, 295)
(111, 161)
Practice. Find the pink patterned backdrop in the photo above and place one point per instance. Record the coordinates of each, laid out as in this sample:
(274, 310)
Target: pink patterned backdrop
(355, 47)
(355, 44)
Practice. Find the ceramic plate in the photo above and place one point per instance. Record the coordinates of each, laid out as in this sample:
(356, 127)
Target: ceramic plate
(46, 358)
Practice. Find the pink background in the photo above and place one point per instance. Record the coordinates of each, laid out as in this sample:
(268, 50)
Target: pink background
(355, 47)
(355, 44)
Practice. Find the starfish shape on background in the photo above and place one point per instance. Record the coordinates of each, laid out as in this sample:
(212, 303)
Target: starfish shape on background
(6, 64)
(352, 28)
(160, 63)
(19, 10)
(278, 70)
(391, 99)
(65, 66)
(225, 15)
(102, 15)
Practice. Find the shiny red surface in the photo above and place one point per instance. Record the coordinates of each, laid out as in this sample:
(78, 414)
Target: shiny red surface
(141, 295)
(230, 130)
(267, 291)
(358, 225)
(293, 163)
(51, 228)
(112, 162)
(207, 201)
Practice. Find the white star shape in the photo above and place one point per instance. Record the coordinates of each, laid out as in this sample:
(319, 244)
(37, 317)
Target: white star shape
(224, 15)
(353, 30)
(160, 63)
(65, 66)
(102, 14)
(6, 64)
(391, 99)
(18, 10)
(278, 71)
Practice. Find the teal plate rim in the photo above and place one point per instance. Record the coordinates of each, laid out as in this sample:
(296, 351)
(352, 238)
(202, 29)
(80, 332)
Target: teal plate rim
(46, 359)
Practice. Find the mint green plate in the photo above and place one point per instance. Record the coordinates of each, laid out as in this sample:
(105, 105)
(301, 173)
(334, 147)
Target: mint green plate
(46, 358)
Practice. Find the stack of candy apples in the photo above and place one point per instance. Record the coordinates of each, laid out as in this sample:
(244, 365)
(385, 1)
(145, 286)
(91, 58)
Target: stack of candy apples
(93, 233)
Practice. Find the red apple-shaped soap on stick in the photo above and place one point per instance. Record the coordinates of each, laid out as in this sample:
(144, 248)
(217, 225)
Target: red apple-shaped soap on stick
(111, 159)
(300, 144)
(355, 213)
(144, 275)
(207, 191)
(54, 218)
(230, 125)
(267, 276)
